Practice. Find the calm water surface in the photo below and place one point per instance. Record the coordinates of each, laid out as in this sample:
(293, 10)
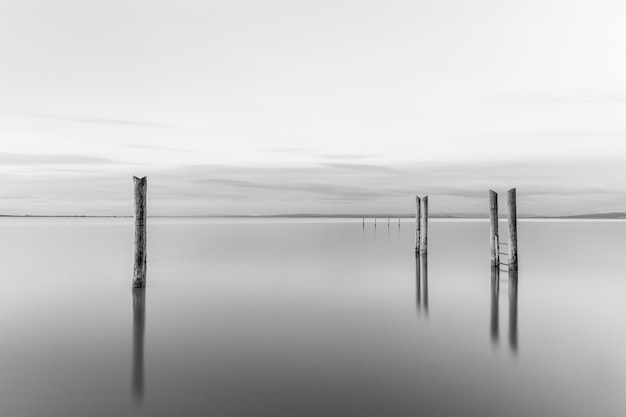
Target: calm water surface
(310, 318)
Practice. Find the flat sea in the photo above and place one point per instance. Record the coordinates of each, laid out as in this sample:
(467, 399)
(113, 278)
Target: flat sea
(302, 317)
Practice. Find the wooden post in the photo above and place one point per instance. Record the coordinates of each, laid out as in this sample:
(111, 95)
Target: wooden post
(493, 228)
(424, 226)
(418, 215)
(139, 269)
(512, 202)
(139, 326)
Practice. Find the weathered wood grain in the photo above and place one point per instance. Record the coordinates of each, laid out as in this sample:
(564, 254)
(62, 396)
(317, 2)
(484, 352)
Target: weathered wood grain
(512, 202)
(493, 227)
(139, 268)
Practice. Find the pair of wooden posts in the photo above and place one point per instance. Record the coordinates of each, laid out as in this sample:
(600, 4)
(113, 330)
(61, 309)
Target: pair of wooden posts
(493, 229)
(421, 224)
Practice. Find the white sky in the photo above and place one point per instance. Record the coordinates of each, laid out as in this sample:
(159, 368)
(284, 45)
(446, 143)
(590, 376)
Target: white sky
(339, 106)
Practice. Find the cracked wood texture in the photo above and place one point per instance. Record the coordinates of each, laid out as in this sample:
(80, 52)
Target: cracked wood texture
(512, 201)
(493, 227)
(424, 231)
(139, 269)
(417, 223)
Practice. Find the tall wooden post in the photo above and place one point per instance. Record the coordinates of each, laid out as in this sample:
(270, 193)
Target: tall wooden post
(139, 269)
(493, 228)
(512, 202)
(424, 234)
(418, 215)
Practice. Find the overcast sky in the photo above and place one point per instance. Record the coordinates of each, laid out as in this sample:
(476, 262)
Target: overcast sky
(257, 107)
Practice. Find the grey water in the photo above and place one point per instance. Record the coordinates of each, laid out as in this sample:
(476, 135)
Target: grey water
(310, 318)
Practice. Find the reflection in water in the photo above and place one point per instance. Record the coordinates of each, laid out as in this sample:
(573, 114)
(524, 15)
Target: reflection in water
(495, 304)
(495, 293)
(424, 270)
(418, 284)
(421, 281)
(513, 310)
(139, 325)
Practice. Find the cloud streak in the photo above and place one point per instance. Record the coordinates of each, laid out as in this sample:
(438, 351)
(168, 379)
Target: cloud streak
(51, 159)
(96, 121)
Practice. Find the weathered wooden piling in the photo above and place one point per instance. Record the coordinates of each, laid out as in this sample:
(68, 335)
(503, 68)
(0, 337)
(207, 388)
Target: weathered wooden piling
(424, 226)
(512, 202)
(418, 216)
(139, 269)
(493, 228)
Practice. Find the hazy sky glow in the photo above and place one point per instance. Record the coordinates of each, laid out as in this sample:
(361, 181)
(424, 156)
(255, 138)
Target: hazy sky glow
(248, 107)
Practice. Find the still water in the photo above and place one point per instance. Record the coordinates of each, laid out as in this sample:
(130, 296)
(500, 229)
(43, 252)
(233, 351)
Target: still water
(310, 318)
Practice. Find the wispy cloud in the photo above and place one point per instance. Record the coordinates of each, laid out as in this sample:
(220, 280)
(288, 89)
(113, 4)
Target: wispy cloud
(96, 120)
(51, 159)
(152, 147)
(344, 156)
(561, 98)
(360, 167)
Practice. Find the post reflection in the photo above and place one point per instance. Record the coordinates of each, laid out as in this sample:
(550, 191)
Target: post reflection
(513, 310)
(421, 281)
(424, 270)
(139, 326)
(495, 308)
(495, 304)
(418, 284)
